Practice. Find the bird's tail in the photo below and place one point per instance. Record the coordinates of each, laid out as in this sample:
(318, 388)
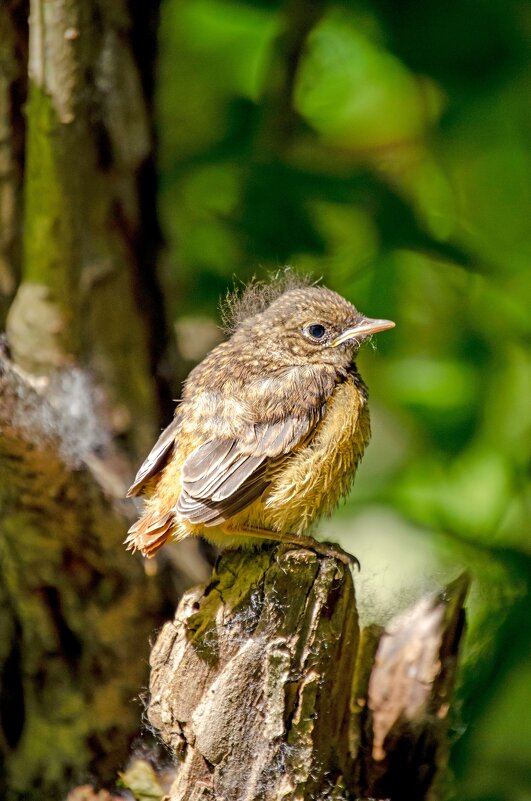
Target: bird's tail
(150, 533)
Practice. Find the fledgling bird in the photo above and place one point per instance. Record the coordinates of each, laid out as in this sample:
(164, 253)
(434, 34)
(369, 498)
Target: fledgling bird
(270, 430)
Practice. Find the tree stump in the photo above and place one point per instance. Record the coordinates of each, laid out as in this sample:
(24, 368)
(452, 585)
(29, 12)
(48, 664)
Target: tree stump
(264, 689)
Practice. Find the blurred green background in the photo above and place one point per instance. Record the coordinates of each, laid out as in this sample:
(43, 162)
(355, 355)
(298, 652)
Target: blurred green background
(384, 147)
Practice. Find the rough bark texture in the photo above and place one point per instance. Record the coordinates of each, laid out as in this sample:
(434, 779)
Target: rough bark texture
(13, 80)
(264, 690)
(78, 243)
(76, 611)
(401, 706)
(85, 294)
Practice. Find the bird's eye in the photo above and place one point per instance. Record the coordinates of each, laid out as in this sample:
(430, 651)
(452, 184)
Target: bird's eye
(317, 331)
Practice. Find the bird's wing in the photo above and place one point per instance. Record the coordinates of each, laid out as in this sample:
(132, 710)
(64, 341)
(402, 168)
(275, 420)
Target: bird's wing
(223, 476)
(157, 458)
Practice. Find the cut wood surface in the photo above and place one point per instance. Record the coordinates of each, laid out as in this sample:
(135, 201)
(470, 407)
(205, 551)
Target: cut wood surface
(264, 689)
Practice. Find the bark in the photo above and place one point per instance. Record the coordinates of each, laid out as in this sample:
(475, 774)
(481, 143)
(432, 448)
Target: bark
(263, 688)
(13, 58)
(85, 295)
(80, 247)
(76, 610)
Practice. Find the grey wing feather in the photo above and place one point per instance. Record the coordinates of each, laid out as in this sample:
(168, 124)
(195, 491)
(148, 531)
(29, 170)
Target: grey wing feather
(210, 513)
(241, 476)
(276, 438)
(156, 458)
(206, 458)
(222, 477)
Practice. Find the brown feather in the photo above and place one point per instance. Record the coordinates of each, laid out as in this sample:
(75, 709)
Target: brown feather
(149, 533)
(156, 458)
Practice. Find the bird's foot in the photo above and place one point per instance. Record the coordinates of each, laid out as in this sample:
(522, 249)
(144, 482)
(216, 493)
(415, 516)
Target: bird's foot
(324, 549)
(301, 541)
(336, 552)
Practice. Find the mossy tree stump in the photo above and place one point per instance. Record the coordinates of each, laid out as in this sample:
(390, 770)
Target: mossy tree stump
(264, 688)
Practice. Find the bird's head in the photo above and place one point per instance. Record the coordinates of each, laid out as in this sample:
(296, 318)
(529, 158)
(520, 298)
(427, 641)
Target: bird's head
(310, 324)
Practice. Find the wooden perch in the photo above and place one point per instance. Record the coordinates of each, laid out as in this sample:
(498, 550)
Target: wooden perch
(264, 690)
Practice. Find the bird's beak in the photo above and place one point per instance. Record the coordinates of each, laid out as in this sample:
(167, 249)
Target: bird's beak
(364, 328)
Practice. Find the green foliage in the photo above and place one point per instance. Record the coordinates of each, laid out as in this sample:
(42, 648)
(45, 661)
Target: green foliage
(386, 151)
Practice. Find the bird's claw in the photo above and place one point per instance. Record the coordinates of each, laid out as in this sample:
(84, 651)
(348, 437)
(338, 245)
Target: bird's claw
(336, 552)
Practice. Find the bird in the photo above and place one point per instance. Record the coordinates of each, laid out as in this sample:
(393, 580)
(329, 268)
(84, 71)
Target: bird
(270, 429)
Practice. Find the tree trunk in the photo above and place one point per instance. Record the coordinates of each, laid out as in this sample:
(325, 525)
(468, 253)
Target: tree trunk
(13, 82)
(78, 243)
(88, 290)
(264, 689)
